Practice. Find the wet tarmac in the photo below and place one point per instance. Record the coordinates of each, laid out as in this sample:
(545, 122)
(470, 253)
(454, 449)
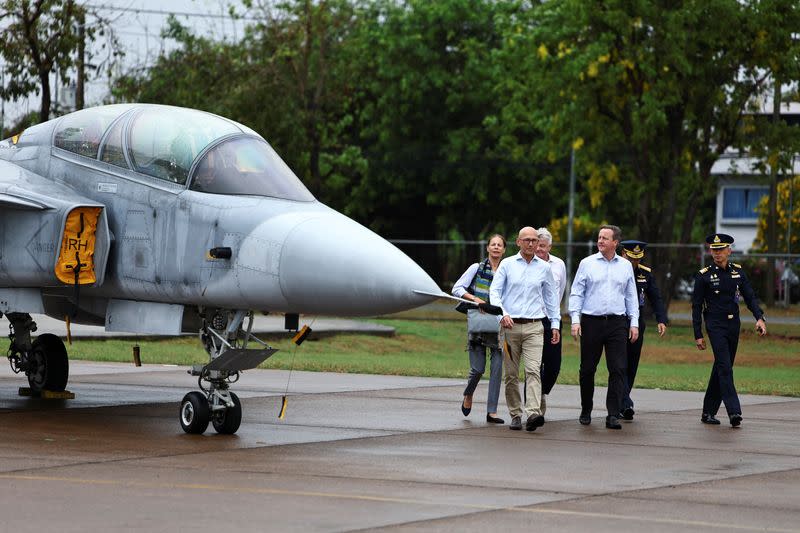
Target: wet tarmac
(358, 452)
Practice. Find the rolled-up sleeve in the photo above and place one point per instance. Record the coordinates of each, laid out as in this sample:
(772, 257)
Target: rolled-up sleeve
(461, 286)
(551, 300)
(498, 286)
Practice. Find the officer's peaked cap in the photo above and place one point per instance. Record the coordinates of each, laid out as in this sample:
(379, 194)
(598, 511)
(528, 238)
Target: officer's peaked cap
(634, 249)
(719, 240)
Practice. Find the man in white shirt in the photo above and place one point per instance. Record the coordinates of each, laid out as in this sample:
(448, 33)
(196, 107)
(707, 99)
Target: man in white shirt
(605, 314)
(524, 288)
(551, 354)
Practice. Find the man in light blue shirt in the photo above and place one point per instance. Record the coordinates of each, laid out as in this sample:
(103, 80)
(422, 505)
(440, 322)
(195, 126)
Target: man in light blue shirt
(524, 288)
(605, 314)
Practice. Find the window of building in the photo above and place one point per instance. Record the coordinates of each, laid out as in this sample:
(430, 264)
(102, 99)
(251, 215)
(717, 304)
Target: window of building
(740, 203)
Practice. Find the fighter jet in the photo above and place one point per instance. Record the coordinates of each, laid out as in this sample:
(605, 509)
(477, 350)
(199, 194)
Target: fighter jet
(161, 220)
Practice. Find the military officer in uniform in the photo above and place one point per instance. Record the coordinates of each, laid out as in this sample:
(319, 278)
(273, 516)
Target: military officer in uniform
(633, 251)
(717, 289)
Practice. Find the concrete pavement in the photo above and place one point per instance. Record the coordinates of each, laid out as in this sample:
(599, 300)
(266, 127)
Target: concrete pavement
(358, 452)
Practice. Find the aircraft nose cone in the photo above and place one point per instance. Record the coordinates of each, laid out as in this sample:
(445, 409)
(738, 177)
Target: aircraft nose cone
(331, 264)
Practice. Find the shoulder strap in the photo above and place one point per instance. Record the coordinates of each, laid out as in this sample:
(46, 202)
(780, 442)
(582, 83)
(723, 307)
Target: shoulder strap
(482, 267)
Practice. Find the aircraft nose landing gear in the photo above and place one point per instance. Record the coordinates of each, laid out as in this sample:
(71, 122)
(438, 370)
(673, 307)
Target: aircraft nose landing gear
(226, 343)
(216, 404)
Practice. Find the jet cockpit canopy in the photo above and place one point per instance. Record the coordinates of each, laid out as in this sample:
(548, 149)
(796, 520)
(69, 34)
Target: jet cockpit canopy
(173, 143)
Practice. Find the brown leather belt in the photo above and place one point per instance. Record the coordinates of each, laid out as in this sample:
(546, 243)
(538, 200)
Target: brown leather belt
(525, 320)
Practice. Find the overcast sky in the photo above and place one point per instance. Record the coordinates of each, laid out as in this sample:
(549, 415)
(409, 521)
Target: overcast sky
(138, 24)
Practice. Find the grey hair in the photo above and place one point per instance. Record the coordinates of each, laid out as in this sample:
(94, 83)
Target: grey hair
(545, 235)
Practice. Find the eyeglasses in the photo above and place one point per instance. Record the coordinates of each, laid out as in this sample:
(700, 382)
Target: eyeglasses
(529, 241)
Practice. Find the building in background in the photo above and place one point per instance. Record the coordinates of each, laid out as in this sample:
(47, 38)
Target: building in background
(740, 188)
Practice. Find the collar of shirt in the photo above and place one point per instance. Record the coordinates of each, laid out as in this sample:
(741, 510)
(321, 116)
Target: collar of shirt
(519, 257)
(616, 257)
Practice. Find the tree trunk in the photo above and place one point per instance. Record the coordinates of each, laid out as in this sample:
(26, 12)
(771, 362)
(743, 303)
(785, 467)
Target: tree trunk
(44, 113)
(81, 62)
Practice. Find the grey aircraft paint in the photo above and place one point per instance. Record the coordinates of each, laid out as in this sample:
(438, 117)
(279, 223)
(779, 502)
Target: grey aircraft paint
(200, 223)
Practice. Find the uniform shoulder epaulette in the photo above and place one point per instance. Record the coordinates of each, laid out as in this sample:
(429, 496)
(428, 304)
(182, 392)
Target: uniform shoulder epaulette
(736, 265)
(645, 268)
(704, 270)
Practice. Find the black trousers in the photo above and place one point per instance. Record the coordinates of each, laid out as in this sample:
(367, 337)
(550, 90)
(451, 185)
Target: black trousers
(634, 351)
(723, 333)
(551, 358)
(611, 334)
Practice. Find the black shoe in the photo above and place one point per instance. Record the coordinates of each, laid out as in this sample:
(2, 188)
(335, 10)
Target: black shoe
(612, 422)
(586, 418)
(709, 419)
(494, 420)
(627, 413)
(516, 423)
(534, 422)
(465, 410)
(736, 420)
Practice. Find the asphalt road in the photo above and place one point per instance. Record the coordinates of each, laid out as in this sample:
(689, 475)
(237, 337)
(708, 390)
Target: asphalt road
(358, 452)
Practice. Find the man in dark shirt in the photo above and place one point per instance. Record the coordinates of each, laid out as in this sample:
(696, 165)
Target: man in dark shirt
(633, 251)
(717, 289)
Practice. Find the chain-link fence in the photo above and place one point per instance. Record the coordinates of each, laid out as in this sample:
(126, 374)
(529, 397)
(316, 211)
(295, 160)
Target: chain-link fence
(673, 264)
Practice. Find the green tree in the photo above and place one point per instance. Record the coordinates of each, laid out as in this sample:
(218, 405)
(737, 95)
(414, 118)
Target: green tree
(199, 73)
(650, 94)
(286, 79)
(788, 205)
(43, 37)
(428, 88)
(301, 56)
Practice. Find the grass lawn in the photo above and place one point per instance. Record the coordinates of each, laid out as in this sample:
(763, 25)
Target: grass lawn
(436, 347)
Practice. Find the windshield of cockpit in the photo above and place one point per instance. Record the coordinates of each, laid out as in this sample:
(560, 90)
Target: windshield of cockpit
(247, 166)
(164, 141)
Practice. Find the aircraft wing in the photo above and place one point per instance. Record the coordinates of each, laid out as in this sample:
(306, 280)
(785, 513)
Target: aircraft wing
(22, 189)
(14, 201)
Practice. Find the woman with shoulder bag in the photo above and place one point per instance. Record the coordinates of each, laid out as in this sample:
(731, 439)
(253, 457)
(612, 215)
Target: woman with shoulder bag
(482, 328)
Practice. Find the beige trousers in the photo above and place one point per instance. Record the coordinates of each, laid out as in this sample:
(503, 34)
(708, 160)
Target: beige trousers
(523, 343)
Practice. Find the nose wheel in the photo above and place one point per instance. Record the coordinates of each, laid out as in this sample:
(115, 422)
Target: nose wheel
(195, 413)
(226, 421)
(226, 343)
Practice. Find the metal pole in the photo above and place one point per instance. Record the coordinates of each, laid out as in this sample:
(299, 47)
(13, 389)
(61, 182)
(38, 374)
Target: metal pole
(788, 265)
(791, 211)
(2, 102)
(772, 226)
(570, 218)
